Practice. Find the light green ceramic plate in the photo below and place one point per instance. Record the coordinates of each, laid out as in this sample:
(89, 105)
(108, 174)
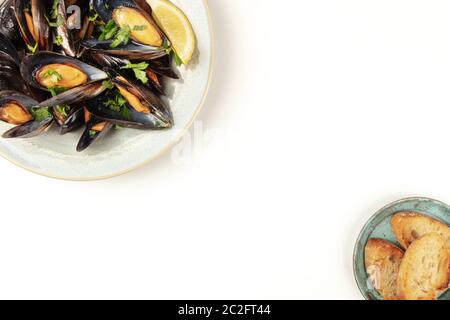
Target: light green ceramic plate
(55, 156)
(379, 226)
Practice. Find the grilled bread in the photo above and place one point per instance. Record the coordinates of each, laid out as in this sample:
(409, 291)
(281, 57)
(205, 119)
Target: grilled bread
(424, 269)
(382, 260)
(410, 226)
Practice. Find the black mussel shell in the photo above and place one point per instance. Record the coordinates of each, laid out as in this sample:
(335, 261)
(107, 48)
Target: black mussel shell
(103, 60)
(7, 96)
(144, 93)
(10, 78)
(41, 26)
(33, 63)
(75, 95)
(163, 67)
(128, 116)
(30, 129)
(70, 122)
(8, 49)
(68, 43)
(89, 136)
(131, 51)
(8, 25)
(105, 9)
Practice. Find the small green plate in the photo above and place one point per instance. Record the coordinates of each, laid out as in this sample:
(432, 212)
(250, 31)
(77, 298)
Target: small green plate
(379, 226)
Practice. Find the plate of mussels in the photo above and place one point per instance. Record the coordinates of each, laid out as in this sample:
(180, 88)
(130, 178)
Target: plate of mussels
(90, 89)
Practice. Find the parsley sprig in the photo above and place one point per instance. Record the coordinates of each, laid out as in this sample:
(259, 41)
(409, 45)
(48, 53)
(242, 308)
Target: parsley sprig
(118, 35)
(139, 70)
(40, 114)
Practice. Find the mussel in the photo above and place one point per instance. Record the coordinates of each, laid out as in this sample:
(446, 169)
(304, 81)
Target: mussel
(131, 51)
(68, 118)
(15, 107)
(47, 70)
(144, 29)
(95, 129)
(71, 27)
(8, 24)
(21, 110)
(33, 26)
(147, 40)
(9, 67)
(132, 105)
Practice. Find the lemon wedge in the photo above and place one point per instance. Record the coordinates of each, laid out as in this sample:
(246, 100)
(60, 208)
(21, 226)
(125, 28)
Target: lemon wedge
(176, 26)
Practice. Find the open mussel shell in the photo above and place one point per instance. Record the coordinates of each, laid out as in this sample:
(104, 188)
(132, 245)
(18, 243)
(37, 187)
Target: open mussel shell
(144, 29)
(95, 129)
(15, 107)
(30, 129)
(33, 26)
(47, 69)
(128, 116)
(130, 51)
(143, 94)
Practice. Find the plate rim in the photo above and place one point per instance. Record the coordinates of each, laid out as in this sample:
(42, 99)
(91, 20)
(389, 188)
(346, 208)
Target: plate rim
(369, 221)
(164, 150)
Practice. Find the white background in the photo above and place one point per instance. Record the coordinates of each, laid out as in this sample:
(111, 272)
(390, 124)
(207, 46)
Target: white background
(320, 113)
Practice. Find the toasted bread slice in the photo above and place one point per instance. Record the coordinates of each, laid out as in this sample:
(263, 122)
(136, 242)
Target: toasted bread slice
(410, 226)
(424, 269)
(382, 260)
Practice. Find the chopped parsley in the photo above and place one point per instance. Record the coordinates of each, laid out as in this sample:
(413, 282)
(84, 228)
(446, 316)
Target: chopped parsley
(122, 37)
(108, 84)
(139, 28)
(170, 51)
(109, 30)
(62, 109)
(139, 70)
(32, 49)
(54, 10)
(59, 40)
(40, 114)
(118, 35)
(57, 90)
(54, 76)
(93, 133)
(116, 103)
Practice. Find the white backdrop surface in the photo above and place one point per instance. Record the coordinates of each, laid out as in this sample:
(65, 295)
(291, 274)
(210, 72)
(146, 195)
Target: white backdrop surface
(320, 112)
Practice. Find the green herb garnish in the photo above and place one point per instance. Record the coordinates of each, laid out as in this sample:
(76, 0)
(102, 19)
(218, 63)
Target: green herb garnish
(169, 50)
(122, 37)
(139, 28)
(108, 84)
(40, 114)
(62, 109)
(93, 133)
(116, 103)
(177, 58)
(109, 30)
(56, 90)
(59, 40)
(54, 10)
(54, 76)
(139, 70)
(32, 49)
